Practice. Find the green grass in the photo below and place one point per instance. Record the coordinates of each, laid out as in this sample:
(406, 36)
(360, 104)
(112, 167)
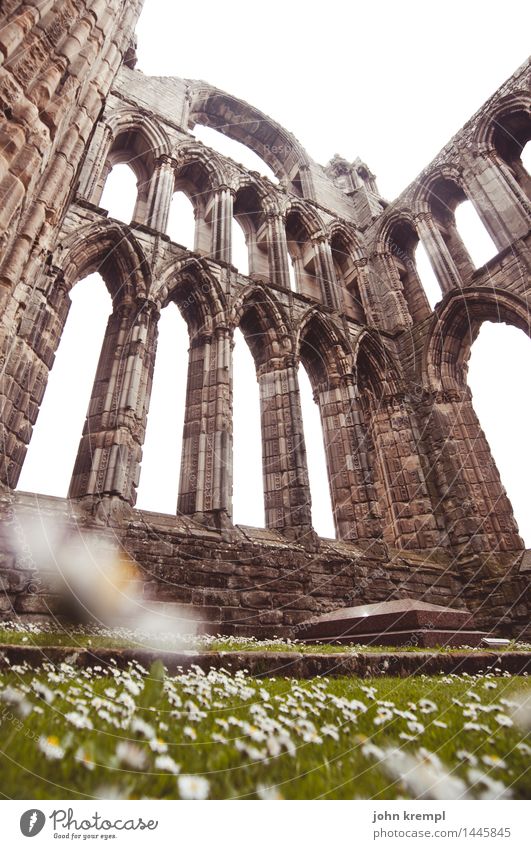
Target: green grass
(79, 639)
(247, 758)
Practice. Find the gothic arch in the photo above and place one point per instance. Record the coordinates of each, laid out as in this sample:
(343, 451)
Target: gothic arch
(198, 169)
(517, 105)
(112, 250)
(455, 326)
(264, 325)
(397, 238)
(243, 123)
(149, 133)
(346, 254)
(375, 366)
(426, 193)
(323, 350)
(197, 293)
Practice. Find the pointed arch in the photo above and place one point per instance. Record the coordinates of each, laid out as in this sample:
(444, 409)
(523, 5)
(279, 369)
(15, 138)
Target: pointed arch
(110, 249)
(200, 174)
(263, 323)
(443, 193)
(346, 253)
(250, 201)
(142, 128)
(323, 349)
(398, 237)
(375, 366)
(454, 329)
(244, 123)
(302, 225)
(197, 293)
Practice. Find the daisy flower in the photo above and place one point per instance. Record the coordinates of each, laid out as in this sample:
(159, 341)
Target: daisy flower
(193, 787)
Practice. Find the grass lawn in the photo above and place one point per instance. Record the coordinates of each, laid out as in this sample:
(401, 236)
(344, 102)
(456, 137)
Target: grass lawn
(77, 637)
(72, 733)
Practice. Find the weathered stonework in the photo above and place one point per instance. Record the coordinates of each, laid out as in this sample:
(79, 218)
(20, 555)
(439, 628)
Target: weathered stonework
(419, 507)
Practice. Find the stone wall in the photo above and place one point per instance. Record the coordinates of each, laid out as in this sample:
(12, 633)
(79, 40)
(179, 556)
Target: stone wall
(416, 495)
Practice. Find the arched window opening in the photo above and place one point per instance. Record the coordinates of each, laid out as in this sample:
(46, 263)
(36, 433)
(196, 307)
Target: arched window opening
(499, 357)
(403, 241)
(194, 181)
(511, 140)
(302, 256)
(133, 148)
(427, 275)
(120, 193)
(240, 252)
(233, 149)
(181, 221)
(347, 278)
(52, 451)
(161, 454)
(460, 226)
(249, 214)
(248, 485)
(322, 513)
(474, 234)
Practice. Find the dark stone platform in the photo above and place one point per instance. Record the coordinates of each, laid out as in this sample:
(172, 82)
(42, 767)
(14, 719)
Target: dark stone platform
(402, 622)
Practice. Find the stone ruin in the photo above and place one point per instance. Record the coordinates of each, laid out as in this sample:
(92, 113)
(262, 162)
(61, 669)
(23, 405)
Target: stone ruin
(419, 508)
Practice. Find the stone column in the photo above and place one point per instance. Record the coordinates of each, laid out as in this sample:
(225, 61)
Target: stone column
(473, 502)
(390, 305)
(222, 214)
(161, 189)
(326, 272)
(401, 485)
(109, 455)
(440, 257)
(206, 462)
(502, 204)
(286, 484)
(277, 247)
(356, 512)
(96, 169)
(28, 357)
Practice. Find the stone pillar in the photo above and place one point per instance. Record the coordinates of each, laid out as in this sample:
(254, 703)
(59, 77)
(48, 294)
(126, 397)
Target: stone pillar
(277, 247)
(206, 462)
(110, 451)
(408, 516)
(391, 307)
(96, 168)
(286, 484)
(28, 356)
(356, 512)
(161, 190)
(326, 272)
(502, 204)
(472, 500)
(222, 214)
(441, 260)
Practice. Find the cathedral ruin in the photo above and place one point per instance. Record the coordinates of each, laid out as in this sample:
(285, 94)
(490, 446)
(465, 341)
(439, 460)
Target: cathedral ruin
(419, 508)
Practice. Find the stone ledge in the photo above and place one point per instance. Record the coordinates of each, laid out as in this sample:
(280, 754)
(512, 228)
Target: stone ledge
(281, 664)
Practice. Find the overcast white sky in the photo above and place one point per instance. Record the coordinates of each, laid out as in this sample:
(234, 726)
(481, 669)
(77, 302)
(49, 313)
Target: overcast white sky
(390, 82)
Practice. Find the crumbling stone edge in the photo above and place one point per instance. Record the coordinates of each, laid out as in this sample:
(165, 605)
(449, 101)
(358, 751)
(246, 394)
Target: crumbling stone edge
(280, 664)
